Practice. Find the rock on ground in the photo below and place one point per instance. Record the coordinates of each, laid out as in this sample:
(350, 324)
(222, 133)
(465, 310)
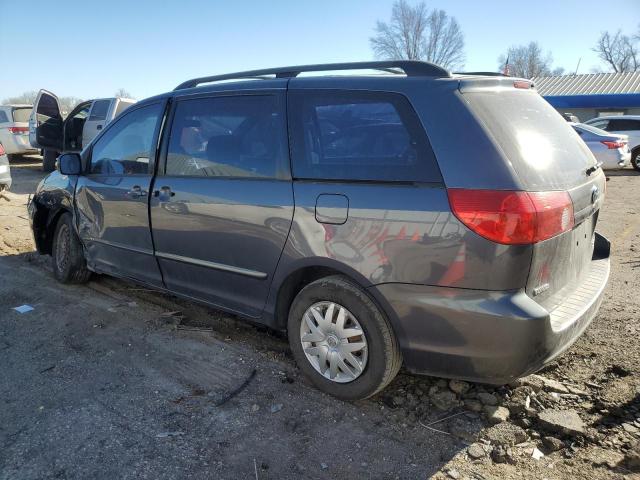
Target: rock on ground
(496, 414)
(566, 422)
(505, 434)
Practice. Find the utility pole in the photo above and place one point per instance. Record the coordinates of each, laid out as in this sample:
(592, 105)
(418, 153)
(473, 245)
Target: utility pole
(578, 66)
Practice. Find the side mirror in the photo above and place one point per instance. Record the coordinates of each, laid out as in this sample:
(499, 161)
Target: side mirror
(70, 164)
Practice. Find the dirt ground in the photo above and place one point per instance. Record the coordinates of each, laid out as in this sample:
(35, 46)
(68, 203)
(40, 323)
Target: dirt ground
(110, 380)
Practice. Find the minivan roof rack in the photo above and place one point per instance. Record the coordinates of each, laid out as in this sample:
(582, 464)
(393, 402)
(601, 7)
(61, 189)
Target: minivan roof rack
(411, 68)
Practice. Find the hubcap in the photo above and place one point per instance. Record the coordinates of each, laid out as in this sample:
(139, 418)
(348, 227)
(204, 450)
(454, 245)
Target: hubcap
(333, 342)
(62, 248)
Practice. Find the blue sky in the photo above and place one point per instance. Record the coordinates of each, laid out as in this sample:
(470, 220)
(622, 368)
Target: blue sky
(89, 49)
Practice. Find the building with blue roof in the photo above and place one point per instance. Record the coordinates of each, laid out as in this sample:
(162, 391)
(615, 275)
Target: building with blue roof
(592, 95)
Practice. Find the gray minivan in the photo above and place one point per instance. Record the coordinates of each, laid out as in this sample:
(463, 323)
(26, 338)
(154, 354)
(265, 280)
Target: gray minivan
(444, 222)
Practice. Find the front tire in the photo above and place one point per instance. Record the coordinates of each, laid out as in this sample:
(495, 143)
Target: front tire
(635, 159)
(341, 340)
(69, 265)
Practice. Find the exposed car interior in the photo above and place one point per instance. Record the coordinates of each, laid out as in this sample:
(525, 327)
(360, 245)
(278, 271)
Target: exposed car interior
(74, 126)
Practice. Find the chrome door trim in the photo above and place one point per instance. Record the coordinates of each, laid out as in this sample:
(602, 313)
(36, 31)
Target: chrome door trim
(217, 266)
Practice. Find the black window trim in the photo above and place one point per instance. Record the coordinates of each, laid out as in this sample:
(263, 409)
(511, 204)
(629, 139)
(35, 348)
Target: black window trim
(282, 104)
(363, 92)
(154, 141)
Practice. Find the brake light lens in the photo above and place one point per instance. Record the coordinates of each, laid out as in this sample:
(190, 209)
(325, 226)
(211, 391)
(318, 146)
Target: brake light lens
(18, 130)
(1, 150)
(513, 217)
(522, 84)
(613, 145)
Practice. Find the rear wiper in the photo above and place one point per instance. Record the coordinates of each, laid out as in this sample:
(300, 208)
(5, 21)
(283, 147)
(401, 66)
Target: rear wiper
(590, 170)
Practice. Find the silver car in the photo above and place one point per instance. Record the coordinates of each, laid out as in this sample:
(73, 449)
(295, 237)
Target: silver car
(14, 129)
(5, 171)
(610, 149)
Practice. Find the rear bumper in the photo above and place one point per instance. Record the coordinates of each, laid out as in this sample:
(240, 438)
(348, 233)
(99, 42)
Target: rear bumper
(488, 336)
(16, 144)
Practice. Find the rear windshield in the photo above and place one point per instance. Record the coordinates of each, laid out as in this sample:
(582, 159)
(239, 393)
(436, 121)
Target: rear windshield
(21, 114)
(588, 128)
(543, 149)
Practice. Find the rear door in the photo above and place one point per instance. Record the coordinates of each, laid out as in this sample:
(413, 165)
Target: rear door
(546, 154)
(45, 122)
(112, 196)
(223, 203)
(97, 119)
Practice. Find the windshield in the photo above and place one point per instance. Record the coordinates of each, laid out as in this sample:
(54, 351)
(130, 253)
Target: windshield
(21, 114)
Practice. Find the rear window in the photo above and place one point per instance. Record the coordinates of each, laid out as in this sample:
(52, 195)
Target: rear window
(340, 135)
(21, 114)
(99, 110)
(543, 149)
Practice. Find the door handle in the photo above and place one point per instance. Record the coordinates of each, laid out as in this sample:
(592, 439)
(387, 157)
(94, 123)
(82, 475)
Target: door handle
(137, 191)
(99, 127)
(164, 192)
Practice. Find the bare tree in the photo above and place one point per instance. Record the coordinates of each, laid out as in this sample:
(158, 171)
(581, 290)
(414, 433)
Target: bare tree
(122, 93)
(527, 61)
(415, 33)
(66, 103)
(26, 98)
(618, 51)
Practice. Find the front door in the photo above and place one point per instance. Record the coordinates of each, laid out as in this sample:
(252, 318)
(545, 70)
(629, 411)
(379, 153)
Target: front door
(112, 197)
(45, 122)
(222, 207)
(96, 121)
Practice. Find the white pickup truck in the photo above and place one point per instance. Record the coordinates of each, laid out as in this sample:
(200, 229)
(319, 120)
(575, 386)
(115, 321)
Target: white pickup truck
(52, 132)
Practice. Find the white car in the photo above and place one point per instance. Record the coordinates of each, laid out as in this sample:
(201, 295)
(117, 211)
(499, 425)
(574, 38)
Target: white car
(14, 130)
(611, 150)
(49, 130)
(623, 125)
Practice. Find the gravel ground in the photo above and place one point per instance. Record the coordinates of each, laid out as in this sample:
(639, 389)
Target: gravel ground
(110, 380)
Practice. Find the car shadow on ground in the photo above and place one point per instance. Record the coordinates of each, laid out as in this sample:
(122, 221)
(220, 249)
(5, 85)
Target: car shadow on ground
(625, 172)
(124, 374)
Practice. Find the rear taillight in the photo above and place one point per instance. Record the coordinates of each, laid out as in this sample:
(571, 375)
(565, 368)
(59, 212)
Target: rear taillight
(513, 217)
(1, 149)
(18, 130)
(612, 145)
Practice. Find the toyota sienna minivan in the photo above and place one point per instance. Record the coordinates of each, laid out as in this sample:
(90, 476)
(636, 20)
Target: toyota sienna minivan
(397, 215)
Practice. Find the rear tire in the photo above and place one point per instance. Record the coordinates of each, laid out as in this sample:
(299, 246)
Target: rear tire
(635, 159)
(69, 265)
(49, 160)
(378, 361)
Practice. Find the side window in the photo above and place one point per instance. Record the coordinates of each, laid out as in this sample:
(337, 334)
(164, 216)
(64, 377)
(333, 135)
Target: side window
(602, 124)
(48, 107)
(359, 136)
(623, 125)
(233, 136)
(127, 146)
(3, 117)
(99, 110)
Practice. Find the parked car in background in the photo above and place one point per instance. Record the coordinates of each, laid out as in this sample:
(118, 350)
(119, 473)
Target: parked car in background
(14, 130)
(625, 125)
(5, 171)
(318, 205)
(73, 133)
(610, 149)
(570, 117)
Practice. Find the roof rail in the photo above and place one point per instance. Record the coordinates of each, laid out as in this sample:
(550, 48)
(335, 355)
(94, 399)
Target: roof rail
(411, 68)
(484, 74)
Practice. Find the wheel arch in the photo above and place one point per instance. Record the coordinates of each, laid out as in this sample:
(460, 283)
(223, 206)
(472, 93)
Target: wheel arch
(301, 273)
(44, 226)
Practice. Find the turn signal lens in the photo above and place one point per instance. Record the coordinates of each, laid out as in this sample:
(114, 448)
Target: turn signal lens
(513, 217)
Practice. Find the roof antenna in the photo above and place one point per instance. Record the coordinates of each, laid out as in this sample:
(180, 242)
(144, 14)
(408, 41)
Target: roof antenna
(578, 66)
